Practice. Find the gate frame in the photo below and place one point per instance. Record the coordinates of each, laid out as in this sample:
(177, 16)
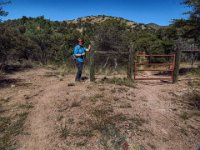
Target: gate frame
(172, 66)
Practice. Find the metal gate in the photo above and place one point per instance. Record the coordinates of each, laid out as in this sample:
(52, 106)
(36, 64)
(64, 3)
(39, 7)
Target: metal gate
(170, 69)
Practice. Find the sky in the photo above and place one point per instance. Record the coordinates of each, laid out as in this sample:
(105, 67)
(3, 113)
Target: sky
(142, 11)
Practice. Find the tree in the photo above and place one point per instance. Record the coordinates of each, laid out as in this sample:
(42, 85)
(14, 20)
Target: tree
(190, 28)
(112, 35)
(2, 12)
(151, 44)
(195, 12)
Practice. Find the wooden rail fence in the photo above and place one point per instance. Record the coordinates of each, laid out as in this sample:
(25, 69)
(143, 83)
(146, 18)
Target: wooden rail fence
(131, 62)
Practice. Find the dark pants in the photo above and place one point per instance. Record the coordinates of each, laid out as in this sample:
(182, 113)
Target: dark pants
(79, 66)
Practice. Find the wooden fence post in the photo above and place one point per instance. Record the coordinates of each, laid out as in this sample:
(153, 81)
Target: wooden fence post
(92, 67)
(177, 63)
(130, 63)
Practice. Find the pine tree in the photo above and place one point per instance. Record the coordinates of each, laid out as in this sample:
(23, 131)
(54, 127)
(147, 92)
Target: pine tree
(3, 12)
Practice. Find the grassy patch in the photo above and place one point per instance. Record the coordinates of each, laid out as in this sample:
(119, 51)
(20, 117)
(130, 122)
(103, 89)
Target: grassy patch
(81, 123)
(196, 113)
(184, 116)
(183, 131)
(59, 118)
(122, 89)
(153, 147)
(189, 114)
(4, 100)
(12, 123)
(64, 132)
(51, 74)
(10, 127)
(192, 98)
(71, 121)
(82, 143)
(83, 133)
(113, 91)
(125, 105)
(71, 84)
(101, 121)
(193, 72)
(75, 104)
(99, 96)
(2, 109)
(138, 121)
(116, 98)
(5, 136)
(63, 108)
(26, 106)
(17, 126)
(119, 81)
(96, 97)
(102, 89)
(105, 122)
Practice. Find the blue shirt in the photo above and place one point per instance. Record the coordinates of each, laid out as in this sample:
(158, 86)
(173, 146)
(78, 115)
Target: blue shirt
(79, 50)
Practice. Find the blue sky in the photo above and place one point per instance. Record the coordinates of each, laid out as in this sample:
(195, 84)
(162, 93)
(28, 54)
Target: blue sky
(141, 11)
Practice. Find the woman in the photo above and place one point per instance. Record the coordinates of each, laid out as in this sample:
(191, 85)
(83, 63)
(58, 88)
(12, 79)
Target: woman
(79, 53)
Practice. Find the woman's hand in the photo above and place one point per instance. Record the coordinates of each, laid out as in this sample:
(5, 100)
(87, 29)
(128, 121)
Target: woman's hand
(89, 47)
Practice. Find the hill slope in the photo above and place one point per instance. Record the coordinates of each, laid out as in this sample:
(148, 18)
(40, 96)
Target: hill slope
(102, 18)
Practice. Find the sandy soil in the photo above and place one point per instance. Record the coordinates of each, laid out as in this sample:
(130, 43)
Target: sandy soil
(63, 114)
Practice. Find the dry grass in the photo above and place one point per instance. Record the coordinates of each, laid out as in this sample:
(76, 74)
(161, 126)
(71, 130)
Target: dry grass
(83, 133)
(75, 104)
(11, 123)
(184, 116)
(96, 97)
(192, 98)
(104, 121)
(82, 143)
(64, 132)
(100, 119)
(119, 81)
(111, 71)
(26, 106)
(110, 125)
(189, 107)
(125, 105)
(71, 84)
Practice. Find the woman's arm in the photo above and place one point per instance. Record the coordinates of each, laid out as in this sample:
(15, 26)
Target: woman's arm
(78, 55)
(88, 49)
(76, 52)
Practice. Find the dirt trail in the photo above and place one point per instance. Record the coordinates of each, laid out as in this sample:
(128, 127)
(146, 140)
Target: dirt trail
(158, 108)
(41, 122)
(151, 100)
(42, 119)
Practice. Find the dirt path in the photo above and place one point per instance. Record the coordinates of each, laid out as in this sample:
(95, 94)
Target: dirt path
(41, 121)
(155, 116)
(159, 111)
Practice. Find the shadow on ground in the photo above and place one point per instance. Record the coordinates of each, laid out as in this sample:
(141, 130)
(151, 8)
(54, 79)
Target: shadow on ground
(184, 71)
(6, 82)
(14, 68)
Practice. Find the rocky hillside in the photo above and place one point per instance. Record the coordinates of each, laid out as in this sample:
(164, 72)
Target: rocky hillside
(155, 26)
(102, 18)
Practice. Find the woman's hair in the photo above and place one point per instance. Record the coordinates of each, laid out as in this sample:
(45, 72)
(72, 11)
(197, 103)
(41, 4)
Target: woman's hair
(80, 40)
